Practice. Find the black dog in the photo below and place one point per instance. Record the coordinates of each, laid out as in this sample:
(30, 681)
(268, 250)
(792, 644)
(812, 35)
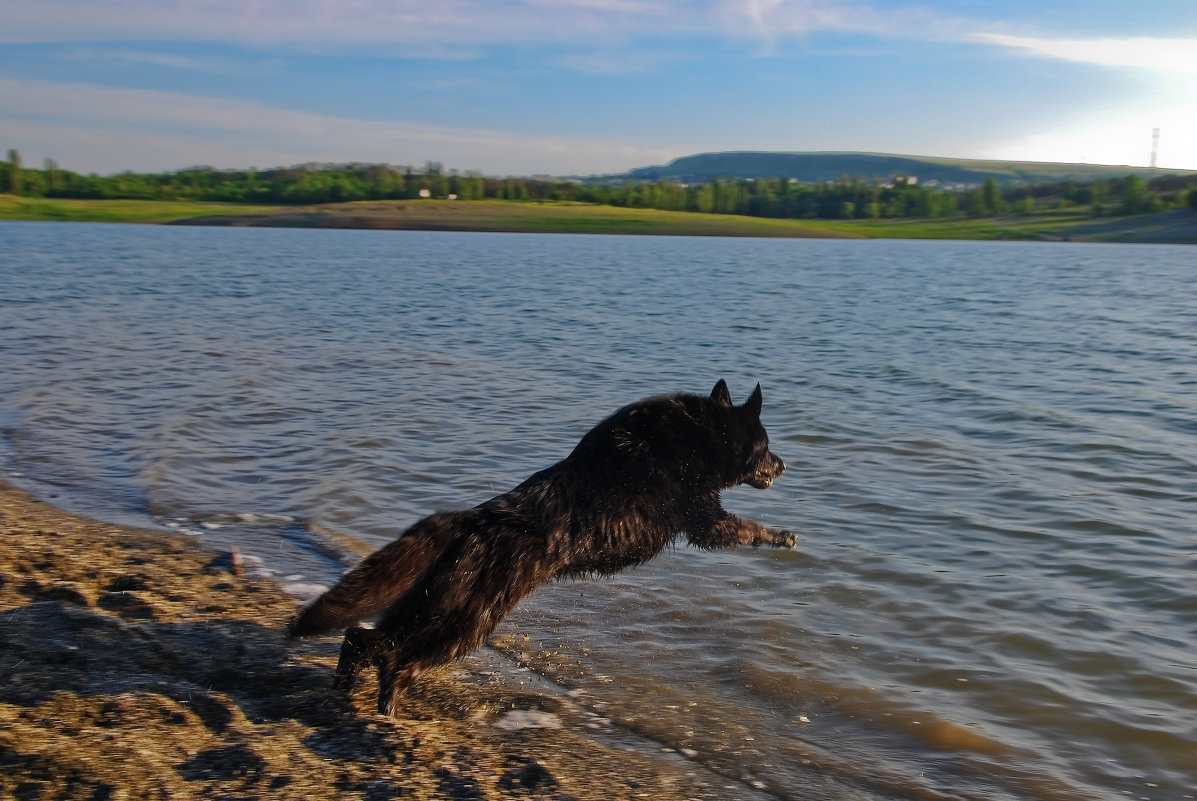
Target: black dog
(649, 471)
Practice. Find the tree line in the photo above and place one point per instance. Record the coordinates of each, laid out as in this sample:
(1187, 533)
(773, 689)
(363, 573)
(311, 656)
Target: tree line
(841, 199)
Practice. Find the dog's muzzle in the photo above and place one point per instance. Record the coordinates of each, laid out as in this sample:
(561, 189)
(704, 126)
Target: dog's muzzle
(767, 472)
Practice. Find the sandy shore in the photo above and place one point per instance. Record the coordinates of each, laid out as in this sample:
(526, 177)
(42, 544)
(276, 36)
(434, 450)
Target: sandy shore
(134, 664)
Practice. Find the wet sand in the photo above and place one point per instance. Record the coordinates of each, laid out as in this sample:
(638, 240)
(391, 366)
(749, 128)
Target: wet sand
(134, 664)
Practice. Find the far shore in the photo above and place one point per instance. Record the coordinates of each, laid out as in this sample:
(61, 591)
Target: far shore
(1175, 227)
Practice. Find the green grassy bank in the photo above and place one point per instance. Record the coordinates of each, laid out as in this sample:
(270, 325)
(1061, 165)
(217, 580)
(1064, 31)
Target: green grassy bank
(13, 207)
(568, 217)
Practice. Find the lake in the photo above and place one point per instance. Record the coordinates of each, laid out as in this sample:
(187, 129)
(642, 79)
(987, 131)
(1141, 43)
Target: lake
(992, 454)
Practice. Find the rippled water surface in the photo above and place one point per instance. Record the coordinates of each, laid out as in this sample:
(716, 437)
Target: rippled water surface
(992, 449)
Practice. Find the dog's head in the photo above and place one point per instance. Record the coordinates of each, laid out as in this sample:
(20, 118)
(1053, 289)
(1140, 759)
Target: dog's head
(754, 464)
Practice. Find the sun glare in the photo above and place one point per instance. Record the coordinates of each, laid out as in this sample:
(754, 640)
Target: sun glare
(1117, 136)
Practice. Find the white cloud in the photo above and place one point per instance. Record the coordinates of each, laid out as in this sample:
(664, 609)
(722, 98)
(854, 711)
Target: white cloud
(1169, 55)
(87, 128)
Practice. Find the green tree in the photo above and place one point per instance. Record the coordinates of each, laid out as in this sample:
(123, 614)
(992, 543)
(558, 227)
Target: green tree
(919, 202)
(991, 197)
(51, 175)
(14, 172)
(974, 203)
(473, 188)
(943, 204)
(439, 184)
(1134, 196)
(1099, 192)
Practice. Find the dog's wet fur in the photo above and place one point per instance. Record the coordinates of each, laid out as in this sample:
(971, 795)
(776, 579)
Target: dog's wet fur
(642, 476)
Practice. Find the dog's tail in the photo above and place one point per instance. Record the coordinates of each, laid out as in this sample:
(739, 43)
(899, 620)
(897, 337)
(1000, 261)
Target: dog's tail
(380, 580)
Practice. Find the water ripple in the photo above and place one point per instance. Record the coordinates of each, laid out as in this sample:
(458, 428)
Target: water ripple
(991, 450)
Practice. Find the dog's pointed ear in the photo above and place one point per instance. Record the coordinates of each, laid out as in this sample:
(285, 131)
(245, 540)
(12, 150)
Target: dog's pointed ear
(720, 394)
(752, 406)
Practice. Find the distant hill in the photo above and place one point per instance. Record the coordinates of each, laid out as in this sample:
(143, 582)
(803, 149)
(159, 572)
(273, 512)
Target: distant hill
(828, 166)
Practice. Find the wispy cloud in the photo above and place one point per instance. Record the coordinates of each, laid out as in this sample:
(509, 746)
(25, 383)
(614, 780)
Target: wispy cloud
(133, 57)
(613, 63)
(771, 20)
(95, 128)
(339, 23)
(1168, 55)
(326, 22)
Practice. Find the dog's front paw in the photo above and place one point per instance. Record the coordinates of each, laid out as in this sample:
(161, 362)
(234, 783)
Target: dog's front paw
(783, 539)
(774, 537)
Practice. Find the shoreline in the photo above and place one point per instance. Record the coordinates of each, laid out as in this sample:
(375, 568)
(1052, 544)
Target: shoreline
(136, 664)
(1173, 227)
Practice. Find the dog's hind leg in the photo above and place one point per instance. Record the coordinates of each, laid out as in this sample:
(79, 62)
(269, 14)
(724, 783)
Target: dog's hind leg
(394, 677)
(359, 647)
(456, 606)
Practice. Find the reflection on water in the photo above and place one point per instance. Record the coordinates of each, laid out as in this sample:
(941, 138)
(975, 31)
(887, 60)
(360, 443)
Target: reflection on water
(991, 450)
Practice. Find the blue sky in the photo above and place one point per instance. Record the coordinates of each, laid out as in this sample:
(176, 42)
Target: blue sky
(522, 87)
